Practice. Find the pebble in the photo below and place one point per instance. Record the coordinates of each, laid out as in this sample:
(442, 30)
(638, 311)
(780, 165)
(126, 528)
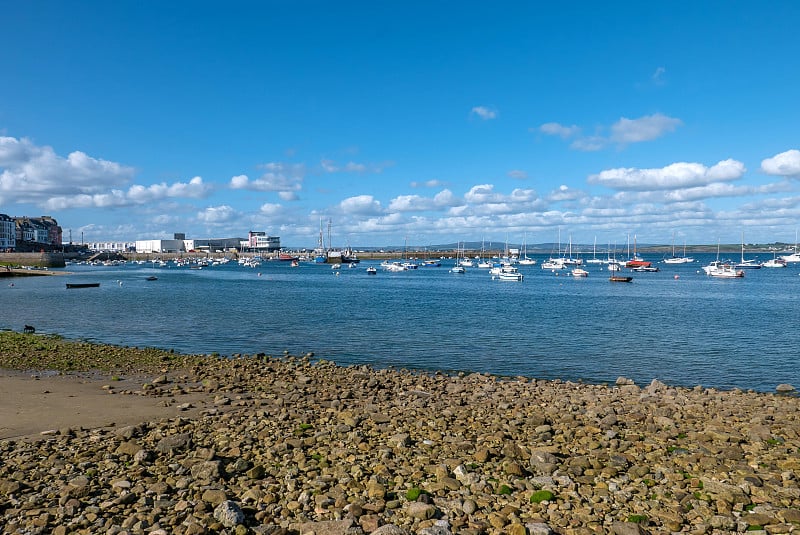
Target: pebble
(294, 445)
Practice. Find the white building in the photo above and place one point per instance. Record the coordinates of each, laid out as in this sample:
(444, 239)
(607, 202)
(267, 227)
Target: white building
(112, 246)
(160, 246)
(260, 241)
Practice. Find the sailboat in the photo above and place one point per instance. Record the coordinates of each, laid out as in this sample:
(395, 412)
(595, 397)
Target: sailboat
(678, 259)
(525, 261)
(594, 259)
(795, 256)
(459, 265)
(747, 264)
(636, 261)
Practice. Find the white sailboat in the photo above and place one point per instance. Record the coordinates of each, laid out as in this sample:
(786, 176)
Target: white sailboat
(525, 261)
(594, 259)
(795, 256)
(747, 264)
(678, 259)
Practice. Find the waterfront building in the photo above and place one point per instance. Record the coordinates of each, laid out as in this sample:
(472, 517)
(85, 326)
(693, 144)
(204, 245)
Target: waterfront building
(8, 232)
(261, 242)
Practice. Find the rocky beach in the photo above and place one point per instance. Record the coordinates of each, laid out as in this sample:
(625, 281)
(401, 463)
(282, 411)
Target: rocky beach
(148, 441)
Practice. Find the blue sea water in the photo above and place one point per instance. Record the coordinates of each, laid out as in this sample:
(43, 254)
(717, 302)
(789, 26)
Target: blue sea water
(678, 325)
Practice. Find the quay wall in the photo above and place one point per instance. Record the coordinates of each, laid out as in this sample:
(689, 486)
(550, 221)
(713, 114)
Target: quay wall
(49, 260)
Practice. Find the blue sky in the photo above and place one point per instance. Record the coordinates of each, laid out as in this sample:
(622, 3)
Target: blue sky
(425, 122)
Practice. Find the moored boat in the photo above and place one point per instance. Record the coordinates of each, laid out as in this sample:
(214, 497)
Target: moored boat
(620, 278)
(83, 284)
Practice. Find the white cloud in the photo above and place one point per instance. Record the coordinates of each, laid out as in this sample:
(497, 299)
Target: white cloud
(361, 205)
(271, 209)
(518, 174)
(31, 173)
(645, 128)
(624, 132)
(279, 177)
(556, 129)
(484, 113)
(674, 176)
(216, 215)
(195, 188)
(784, 164)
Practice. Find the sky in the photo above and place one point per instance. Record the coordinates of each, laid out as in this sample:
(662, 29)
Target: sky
(411, 122)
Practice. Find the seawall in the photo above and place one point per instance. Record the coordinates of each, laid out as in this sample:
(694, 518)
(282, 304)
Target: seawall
(50, 260)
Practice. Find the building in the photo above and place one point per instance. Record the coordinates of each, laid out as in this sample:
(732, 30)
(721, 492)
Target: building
(8, 233)
(36, 231)
(260, 241)
(160, 246)
(213, 245)
(112, 246)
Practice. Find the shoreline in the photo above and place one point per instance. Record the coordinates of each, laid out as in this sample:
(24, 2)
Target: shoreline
(296, 444)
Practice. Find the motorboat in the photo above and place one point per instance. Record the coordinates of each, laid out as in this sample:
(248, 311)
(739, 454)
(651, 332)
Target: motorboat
(580, 272)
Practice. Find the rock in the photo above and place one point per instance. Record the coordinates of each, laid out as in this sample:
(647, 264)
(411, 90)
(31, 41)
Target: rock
(784, 388)
(420, 511)
(389, 529)
(172, 443)
(229, 514)
(538, 528)
(326, 527)
(626, 528)
(206, 470)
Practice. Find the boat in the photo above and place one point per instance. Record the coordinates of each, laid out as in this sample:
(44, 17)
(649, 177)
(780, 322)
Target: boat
(151, 278)
(285, 257)
(393, 266)
(295, 263)
(461, 263)
(678, 259)
(723, 270)
(636, 261)
(83, 284)
(525, 261)
(594, 259)
(795, 256)
(507, 273)
(579, 272)
(775, 263)
(646, 269)
(620, 278)
(372, 271)
(747, 264)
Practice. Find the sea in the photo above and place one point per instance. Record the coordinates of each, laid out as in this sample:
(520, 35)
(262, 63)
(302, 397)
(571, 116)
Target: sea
(676, 325)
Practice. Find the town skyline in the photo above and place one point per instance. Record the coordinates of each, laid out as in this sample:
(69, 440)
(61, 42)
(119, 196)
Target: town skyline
(404, 123)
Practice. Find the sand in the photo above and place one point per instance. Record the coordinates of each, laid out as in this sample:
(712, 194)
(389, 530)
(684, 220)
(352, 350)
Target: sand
(32, 404)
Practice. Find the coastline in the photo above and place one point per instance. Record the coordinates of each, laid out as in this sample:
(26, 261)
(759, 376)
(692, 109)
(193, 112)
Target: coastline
(257, 444)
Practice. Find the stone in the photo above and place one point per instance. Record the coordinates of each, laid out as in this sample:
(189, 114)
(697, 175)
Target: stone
(229, 514)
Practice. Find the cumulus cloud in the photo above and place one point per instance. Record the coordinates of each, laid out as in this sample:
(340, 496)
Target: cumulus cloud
(361, 205)
(484, 113)
(784, 164)
(32, 173)
(217, 215)
(645, 128)
(623, 132)
(418, 203)
(674, 176)
(195, 188)
(278, 177)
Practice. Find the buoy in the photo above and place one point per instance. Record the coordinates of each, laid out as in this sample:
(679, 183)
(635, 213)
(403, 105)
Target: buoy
(676, 277)
(259, 274)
